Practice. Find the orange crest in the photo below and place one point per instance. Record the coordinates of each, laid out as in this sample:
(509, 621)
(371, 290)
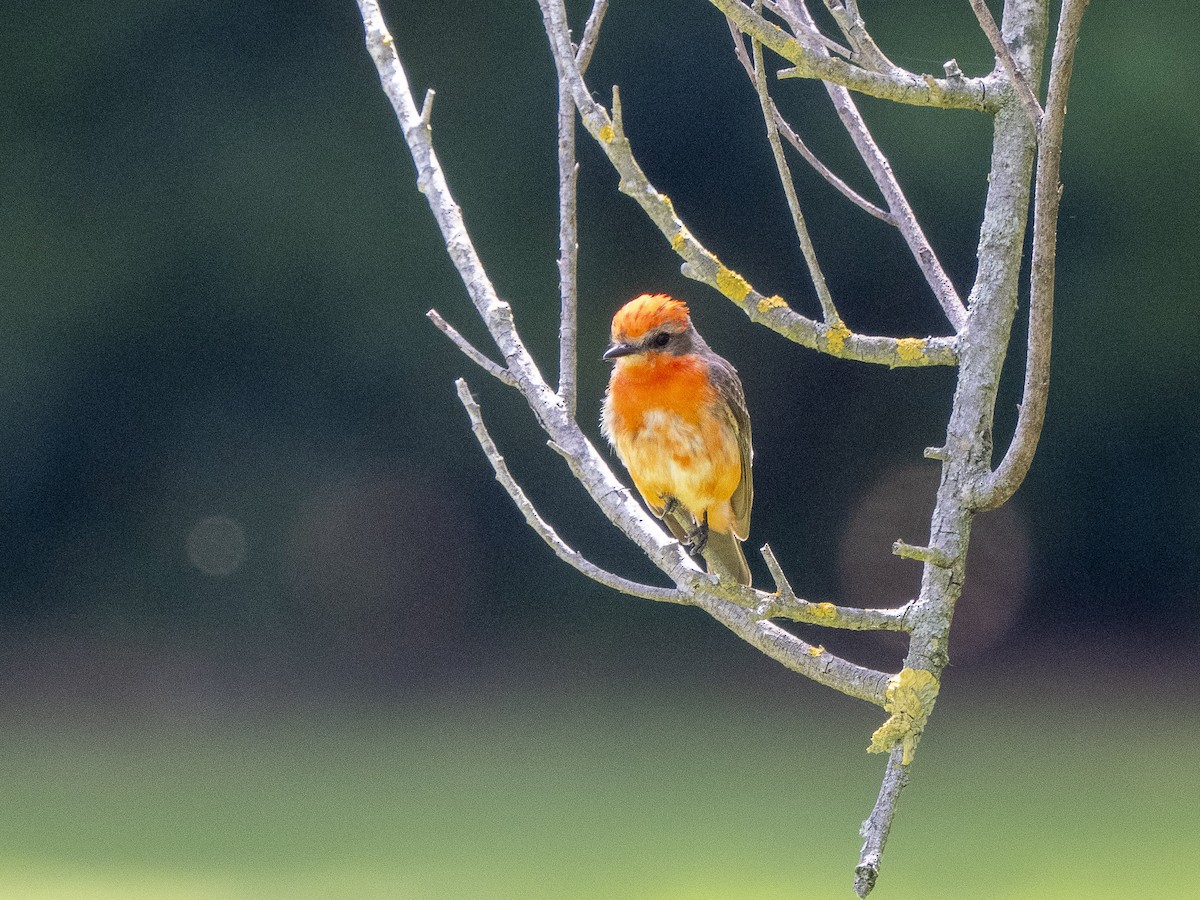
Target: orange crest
(647, 312)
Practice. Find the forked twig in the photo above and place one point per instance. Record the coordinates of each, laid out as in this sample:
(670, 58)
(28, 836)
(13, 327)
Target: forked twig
(1004, 56)
(1013, 468)
(829, 311)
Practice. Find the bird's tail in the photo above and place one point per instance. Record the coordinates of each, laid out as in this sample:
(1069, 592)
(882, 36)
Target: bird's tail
(723, 554)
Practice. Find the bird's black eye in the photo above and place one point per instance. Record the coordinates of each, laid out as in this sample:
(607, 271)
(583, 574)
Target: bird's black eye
(660, 340)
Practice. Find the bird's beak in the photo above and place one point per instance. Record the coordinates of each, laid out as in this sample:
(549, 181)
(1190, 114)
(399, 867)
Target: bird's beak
(619, 350)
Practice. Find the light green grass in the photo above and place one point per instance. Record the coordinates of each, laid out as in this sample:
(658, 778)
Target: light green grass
(655, 798)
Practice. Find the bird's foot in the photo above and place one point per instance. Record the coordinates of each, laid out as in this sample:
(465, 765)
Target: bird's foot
(697, 538)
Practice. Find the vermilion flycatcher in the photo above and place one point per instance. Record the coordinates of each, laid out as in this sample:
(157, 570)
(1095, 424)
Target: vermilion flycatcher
(676, 414)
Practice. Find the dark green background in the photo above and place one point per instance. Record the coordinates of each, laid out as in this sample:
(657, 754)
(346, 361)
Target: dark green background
(214, 269)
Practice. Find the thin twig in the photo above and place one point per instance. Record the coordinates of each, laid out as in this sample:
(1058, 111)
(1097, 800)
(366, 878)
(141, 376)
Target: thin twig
(846, 191)
(784, 604)
(1004, 55)
(541, 527)
(431, 181)
(739, 49)
(876, 828)
(470, 350)
(866, 51)
(568, 252)
(829, 311)
(811, 33)
(898, 85)
(568, 229)
(1004, 481)
(885, 179)
(591, 33)
(702, 265)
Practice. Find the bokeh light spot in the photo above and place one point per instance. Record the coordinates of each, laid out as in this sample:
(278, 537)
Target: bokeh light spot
(898, 505)
(216, 545)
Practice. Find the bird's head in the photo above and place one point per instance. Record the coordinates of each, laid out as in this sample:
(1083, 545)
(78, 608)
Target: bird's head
(650, 324)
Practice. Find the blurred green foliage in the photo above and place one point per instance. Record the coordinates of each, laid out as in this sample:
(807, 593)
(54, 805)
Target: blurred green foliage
(585, 795)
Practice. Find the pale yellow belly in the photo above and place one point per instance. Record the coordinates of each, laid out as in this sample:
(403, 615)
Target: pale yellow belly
(696, 463)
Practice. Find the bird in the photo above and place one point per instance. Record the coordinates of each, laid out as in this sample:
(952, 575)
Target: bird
(675, 413)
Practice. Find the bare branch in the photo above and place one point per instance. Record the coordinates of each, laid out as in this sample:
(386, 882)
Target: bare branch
(866, 51)
(541, 527)
(829, 311)
(784, 604)
(739, 49)
(568, 252)
(591, 33)
(844, 189)
(897, 85)
(876, 828)
(966, 484)
(431, 181)
(702, 265)
(568, 230)
(812, 661)
(1013, 468)
(931, 555)
(814, 34)
(902, 215)
(1019, 82)
(470, 350)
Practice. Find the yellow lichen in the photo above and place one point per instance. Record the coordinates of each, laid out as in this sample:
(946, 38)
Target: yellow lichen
(816, 651)
(910, 697)
(677, 241)
(766, 304)
(836, 335)
(824, 610)
(910, 349)
(607, 133)
(732, 285)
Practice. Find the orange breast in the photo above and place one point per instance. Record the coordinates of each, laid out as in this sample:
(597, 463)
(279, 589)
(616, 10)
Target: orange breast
(671, 430)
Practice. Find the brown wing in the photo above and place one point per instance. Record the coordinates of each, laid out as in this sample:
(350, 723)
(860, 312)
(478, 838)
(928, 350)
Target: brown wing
(730, 386)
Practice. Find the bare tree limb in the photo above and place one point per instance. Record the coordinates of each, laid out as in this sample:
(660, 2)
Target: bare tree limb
(591, 33)
(829, 313)
(541, 527)
(878, 825)
(898, 85)
(810, 660)
(568, 232)
(1013, 468)
(701, 264)
(813, 34)
(844, 189)
(866, 51)
(967, 449)
(784, 604)
(470, 350)
(568, 253)
(1005, 58)
(885, 179)
(786, 130)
